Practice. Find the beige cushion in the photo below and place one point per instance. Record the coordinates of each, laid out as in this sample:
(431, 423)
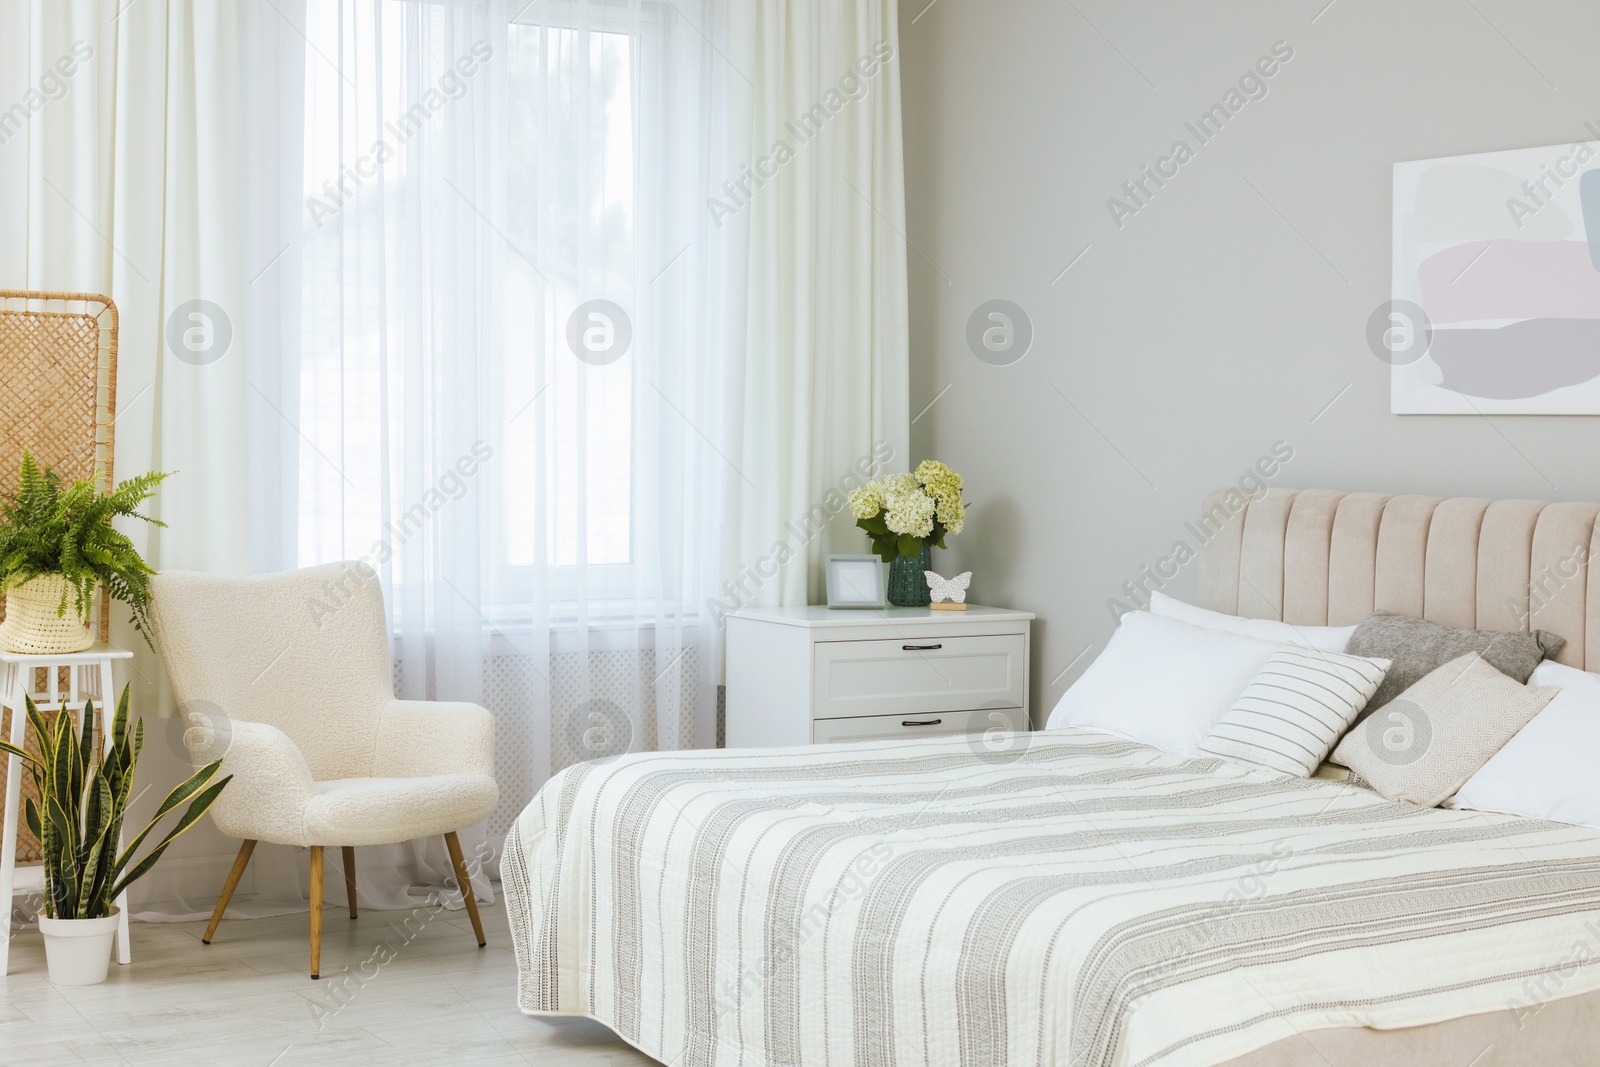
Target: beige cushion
(380, 811)
(1425, 743)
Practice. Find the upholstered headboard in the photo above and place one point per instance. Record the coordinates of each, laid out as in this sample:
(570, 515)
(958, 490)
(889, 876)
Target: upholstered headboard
(1318, 557)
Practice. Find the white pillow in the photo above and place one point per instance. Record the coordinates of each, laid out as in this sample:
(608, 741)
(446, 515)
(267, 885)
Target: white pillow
(1162, 682)
(1327, 638)
(1548, 769)
(1292, 714)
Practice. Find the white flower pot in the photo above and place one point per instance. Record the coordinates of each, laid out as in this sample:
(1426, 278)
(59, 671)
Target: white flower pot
(31, 624)
(78, 951)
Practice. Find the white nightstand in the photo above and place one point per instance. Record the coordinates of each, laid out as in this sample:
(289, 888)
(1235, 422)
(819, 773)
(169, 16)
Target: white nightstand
(800, 676)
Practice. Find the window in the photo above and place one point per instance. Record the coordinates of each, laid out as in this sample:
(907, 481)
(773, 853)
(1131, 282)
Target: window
(376, 175)
(570, 193)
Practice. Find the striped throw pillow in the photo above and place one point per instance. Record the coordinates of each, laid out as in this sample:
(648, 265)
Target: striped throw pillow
(1295, 710)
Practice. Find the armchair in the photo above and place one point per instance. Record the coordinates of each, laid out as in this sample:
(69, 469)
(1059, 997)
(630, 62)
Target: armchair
(295, 669)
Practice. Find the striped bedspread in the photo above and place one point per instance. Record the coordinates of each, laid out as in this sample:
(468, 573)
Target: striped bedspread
(1076, 899)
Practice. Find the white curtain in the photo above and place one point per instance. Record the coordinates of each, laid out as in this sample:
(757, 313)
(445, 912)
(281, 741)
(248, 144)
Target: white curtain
(503, 366)
(599, 304)
(820, 379)
(119, 175)
(576, 319)
(373, 327)
(132, 163)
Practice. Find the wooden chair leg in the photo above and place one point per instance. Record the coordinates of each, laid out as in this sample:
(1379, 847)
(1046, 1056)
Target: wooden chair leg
(316, 911)
(240, 862)
(350, 877)
(465, 884)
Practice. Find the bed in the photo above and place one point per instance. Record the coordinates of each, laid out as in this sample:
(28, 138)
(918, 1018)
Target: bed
(1082, 899)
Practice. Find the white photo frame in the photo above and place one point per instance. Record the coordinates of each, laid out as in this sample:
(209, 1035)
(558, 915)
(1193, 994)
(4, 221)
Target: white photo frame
(855, 581)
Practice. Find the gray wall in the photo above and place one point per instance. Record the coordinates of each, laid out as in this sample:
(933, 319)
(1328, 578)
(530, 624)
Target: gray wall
(1226, 313)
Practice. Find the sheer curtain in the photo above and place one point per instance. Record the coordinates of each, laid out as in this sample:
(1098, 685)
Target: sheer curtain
(119, 174)
(527, 308)
(497, 316)
(612, 400)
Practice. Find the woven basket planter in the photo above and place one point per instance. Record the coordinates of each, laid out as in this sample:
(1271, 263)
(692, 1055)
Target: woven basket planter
(31, 624)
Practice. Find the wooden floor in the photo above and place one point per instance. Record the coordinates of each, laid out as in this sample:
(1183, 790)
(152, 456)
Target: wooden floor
(246, 999)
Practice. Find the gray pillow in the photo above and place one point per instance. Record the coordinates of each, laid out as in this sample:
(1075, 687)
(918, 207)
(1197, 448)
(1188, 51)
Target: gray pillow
(1417, 647)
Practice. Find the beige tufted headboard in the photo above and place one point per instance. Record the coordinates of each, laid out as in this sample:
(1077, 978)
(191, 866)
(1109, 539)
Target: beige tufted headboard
(1318, 557)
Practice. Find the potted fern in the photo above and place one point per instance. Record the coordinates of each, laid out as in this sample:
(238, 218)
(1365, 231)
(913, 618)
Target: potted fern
(78, 821)
(57, 546)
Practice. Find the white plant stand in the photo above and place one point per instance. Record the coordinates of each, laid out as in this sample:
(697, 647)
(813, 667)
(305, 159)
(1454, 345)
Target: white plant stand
(88, 678)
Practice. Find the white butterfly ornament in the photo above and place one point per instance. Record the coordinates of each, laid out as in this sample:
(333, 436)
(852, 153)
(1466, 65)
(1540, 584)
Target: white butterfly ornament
(952, 589)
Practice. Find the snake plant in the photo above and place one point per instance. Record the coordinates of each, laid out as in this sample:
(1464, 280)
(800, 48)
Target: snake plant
(78, 816)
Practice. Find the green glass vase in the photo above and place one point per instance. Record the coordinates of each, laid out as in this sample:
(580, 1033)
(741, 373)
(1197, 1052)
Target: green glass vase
(908, 587)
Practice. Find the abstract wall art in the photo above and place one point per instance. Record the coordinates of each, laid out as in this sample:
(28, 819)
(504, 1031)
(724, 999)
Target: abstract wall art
(1496, 284)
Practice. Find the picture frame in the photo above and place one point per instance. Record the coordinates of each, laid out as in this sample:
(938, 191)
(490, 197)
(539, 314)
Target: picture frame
(856, 581)
(1517, 334)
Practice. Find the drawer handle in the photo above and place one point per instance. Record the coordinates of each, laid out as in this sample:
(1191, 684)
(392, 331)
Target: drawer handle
(920, 722)
(920, 648)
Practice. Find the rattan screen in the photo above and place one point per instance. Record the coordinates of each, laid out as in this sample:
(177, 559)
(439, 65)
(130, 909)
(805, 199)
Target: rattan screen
(58, 381)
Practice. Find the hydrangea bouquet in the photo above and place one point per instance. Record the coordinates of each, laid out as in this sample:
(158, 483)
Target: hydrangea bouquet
(904, 514)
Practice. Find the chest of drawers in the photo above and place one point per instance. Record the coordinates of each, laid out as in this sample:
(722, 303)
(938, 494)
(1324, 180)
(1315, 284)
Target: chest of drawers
(800, 676)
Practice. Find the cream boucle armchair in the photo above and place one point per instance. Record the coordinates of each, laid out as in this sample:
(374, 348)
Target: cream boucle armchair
(291, 677)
